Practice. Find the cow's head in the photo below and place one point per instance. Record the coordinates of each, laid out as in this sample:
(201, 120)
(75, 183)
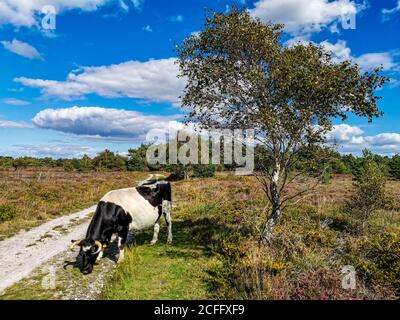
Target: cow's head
(88, 253)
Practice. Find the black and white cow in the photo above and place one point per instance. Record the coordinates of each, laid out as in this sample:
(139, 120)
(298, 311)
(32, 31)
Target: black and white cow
(120, 211)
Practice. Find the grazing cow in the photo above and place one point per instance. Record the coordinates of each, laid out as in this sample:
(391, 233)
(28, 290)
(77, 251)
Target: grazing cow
(121, 210)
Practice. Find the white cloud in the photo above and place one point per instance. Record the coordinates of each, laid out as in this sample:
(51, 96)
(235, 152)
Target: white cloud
(387, 12)
(340, 52)
(27, 13)
(343, 132)
(147, 28)
(104, 123)
(12, 124)
(153, 80)
(138, 4)
(352, 140)
(178, 18)
(22, 48)
(303, 16)
(15, 102)
(372, 60)
(51, 150)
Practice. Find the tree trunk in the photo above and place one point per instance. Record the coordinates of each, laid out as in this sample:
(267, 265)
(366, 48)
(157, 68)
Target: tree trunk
(276, 212)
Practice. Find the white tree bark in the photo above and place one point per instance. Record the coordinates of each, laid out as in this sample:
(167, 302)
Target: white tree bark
(276, 212)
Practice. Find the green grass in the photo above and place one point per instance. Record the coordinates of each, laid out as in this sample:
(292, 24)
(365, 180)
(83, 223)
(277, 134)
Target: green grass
(162, 271)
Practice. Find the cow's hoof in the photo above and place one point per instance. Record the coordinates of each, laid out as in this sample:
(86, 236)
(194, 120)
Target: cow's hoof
(120, 259)
(169, 241)
(153, 242)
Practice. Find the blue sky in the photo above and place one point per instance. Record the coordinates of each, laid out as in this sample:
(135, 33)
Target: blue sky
(106, 75)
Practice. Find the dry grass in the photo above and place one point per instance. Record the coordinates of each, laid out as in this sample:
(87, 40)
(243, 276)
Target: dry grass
(37, 196)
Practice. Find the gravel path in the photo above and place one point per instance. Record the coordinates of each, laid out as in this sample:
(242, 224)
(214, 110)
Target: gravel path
(22, 253)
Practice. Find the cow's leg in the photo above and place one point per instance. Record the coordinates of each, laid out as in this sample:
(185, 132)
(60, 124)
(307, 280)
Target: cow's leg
(155, 234)
(167, 215)
(100, 256)
(122, 238)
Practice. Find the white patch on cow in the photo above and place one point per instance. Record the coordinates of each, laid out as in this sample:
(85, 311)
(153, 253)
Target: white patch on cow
(155, 234)
(121, 250)
(86, 248)
(143, 214)
(100, 255)
(167, 209)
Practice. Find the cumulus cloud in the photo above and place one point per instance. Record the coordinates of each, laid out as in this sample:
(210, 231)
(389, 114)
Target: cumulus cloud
(27, 12)
(104, 123)
(351, 139)
(372, 60)
(344, 132)
(340, 52)
(22, 49)
(15, 102)
(303, 16)
(153, 80)
(12, 124)
(366, 61)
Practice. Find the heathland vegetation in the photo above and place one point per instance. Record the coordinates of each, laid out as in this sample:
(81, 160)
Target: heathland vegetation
(216, 251)
(287, 231)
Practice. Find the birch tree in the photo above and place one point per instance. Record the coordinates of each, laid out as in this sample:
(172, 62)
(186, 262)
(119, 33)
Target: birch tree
(240, 75)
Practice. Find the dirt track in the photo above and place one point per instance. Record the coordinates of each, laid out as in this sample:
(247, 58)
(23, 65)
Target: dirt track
(22, 253)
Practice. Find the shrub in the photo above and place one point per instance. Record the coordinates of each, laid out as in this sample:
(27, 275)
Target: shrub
(381, 263)
(320, 284)
(326, 176)
(370, 191)
(204, 171)
(7, 212)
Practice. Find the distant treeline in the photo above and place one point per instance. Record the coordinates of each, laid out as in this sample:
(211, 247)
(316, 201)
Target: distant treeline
(136, 161)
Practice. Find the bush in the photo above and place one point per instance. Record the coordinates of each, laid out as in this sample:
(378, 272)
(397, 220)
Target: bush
(7, 212)
(381, 263)
(319, 284)
(204, 171)
(370, 191)
(326, 176)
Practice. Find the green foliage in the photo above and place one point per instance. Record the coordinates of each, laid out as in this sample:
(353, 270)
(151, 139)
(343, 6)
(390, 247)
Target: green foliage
(68, 166)
(7, 212)
(204, 171)
(370, 190)
(109, 161)
(381, 263)
(6, 162)
(137, 159)
(394, 167)
(85, 164)
(326, 176)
